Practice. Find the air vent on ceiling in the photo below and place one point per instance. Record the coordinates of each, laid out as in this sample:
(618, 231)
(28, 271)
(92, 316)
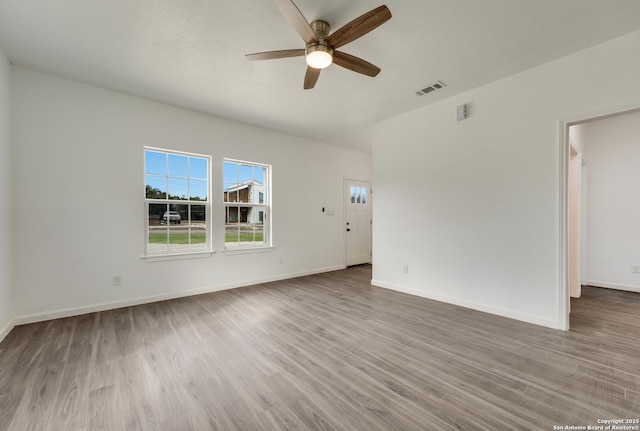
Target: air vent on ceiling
(433, 87)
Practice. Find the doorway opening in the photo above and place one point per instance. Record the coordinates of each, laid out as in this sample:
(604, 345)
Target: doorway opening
(600, 172)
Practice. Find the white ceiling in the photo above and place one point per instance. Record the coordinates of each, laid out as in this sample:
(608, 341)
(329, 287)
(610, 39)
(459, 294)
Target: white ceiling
(190, 53)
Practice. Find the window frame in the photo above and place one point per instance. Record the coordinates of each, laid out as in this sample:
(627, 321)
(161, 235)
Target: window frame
(189, 251)
(265, 208)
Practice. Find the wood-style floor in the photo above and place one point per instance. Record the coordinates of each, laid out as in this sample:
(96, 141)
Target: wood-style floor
(322, 352)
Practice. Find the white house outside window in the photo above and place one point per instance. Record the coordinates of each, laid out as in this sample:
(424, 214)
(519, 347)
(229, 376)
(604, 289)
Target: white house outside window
(247, 200)
(177, 202)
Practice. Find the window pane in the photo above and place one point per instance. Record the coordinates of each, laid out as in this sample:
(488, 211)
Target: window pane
(364, 195)
(198, 190)
(178, 166)
(253, 214)
(259, 174)
(245, 226)
(232, 215)
(231, 193)
(155, 187)
(197, 226)
(155, 163)
(178, 188)
(230, 172)
(157, 232)
(245, 173)
(258, 234)
(231, 226)
(353, 194)
(198, 168)
(177, 220)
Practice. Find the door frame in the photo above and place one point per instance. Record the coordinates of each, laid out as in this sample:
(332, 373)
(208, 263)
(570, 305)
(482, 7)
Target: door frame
(575, 215)
(345, 193)
(564, 231)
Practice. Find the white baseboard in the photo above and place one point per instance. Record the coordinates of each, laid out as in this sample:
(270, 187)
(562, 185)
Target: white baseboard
(5, 331)
(76, 311)
(529, 318)
(627, 287)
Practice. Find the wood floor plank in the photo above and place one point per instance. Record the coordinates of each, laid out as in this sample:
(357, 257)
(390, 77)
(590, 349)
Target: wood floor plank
(70, 411)
(183, 422)
(104, 409)
(321, 352)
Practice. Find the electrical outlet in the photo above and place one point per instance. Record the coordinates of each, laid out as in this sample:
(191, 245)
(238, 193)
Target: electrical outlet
(281, 260)
(635, 269)
(117, 280)
(405, 269)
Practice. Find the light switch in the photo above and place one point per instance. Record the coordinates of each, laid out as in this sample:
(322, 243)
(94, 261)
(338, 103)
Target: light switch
(462, 112)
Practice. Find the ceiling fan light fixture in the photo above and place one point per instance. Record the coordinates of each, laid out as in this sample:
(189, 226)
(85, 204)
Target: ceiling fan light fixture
(319, 56)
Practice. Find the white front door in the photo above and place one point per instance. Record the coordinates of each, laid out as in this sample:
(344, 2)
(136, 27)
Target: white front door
(358, 221)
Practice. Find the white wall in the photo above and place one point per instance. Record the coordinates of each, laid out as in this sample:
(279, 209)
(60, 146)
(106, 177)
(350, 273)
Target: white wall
(79, 198)
(473, 207)
(613, 156)
(6, 301)
(578, 138)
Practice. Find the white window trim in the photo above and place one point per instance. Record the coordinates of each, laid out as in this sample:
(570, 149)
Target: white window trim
(163, 255)
(177, 256)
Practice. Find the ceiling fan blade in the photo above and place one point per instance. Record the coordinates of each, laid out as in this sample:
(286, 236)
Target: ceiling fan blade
(295, 18)
(311, 77)
(356, 64)
(270, 55)
(359, 27)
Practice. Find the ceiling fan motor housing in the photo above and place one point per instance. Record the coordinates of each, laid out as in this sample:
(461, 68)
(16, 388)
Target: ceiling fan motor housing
(321, 29)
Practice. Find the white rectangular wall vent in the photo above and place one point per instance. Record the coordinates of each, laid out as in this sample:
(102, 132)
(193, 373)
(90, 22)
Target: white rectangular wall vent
(433, 87)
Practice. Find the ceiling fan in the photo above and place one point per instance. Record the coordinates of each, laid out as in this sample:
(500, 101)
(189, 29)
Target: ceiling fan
(321, 48)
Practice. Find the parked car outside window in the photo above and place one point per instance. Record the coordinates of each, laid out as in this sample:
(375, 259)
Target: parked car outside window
(171, 217)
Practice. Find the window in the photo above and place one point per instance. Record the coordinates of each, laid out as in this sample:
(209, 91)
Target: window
(176, 201)
(247, 204)
(358, 195)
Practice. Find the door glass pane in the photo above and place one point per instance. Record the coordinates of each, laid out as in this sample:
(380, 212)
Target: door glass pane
(364, 195)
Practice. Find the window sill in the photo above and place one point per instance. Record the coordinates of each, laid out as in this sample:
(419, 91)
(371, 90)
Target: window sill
(177, 256)
(247, 250)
